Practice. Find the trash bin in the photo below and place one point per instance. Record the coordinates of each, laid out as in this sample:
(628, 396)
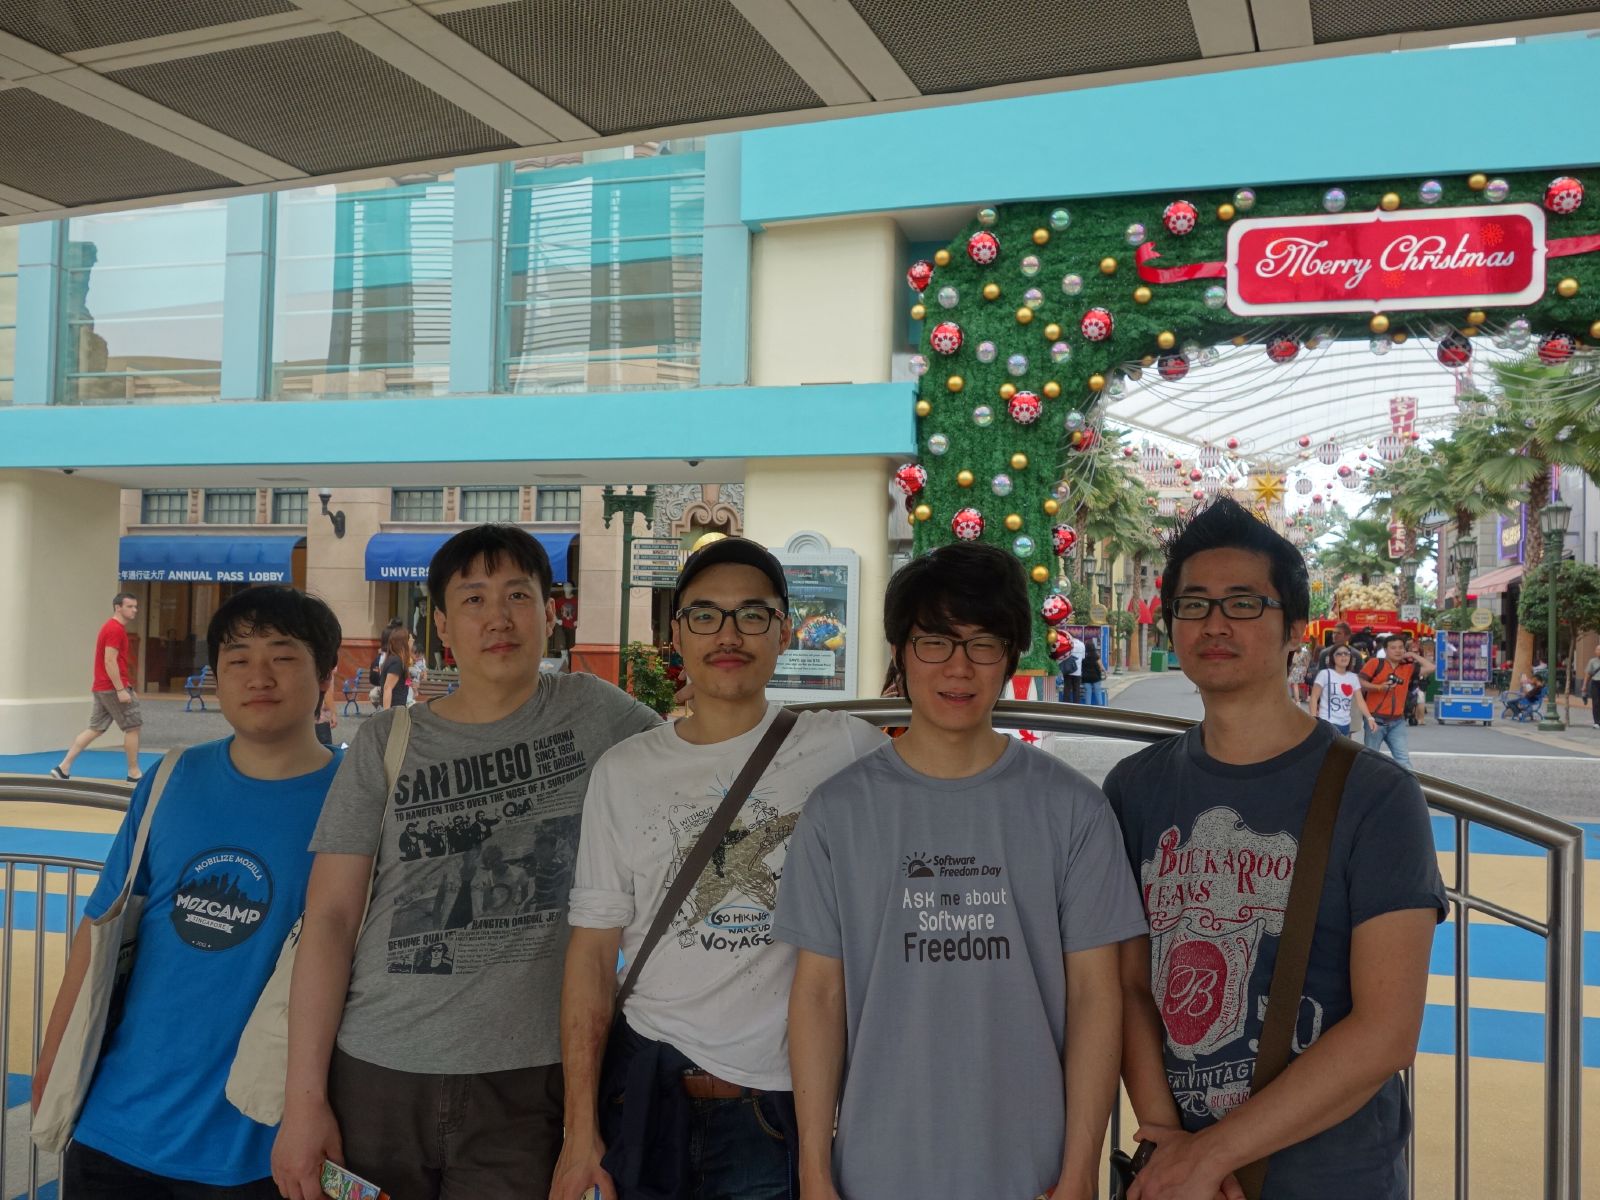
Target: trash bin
(1158, 660)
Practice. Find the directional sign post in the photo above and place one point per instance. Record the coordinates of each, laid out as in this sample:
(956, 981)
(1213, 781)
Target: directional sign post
(627, 503)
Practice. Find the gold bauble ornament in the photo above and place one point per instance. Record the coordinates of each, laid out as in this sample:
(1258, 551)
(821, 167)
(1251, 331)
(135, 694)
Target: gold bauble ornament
(1040, 575)
(1477, 317)
(1594, 330)
(1051, 506)
(923, 408)
(1567, 288)
(1141, 295)
(1166, 339)
(1108, 265)
(1477, 181)
(1024, 315)
(1019, 461)
(1052, 332)
(1399, 337)
(1149, 360)
(991, 291)
(1041, 236)
(918, 311)
(1097, 382)
(1007, 390)
(1224, 212)
(1390, 201)
(964, 478)
(922, 512)
(1013, 522)
(955, 383)
(1051, 390)
(1469, 331)
(941, 258)
(1379, 323)
(1238, 339)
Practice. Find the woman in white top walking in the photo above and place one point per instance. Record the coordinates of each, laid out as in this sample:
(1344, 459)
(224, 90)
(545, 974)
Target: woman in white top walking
(1336, 692)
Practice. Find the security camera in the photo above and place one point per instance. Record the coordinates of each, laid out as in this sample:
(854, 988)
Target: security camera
(693, 462)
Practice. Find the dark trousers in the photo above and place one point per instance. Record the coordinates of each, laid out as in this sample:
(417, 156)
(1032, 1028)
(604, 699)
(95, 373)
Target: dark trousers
(87, 1174)
(494, 1136)
(1594, 699)
(1074, 688)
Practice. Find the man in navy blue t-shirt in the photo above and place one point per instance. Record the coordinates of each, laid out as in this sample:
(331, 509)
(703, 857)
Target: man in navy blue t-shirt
(1212, 821)
(224, 875)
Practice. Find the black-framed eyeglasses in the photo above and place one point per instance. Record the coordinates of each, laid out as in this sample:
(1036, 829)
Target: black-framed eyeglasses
(749, 619)
(982, 651)
(1236, 608)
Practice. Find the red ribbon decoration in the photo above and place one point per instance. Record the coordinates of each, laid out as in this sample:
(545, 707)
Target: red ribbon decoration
(1147, 251)
(1565, 247)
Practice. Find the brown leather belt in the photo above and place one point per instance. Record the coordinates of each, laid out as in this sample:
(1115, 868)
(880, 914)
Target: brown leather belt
(702, 1085)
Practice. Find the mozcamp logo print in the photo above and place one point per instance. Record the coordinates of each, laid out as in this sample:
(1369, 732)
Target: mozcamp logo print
(223, 897)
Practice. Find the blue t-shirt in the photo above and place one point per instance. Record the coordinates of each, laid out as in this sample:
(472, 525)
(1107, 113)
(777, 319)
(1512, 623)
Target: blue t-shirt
(225, 873)
(1213, 846)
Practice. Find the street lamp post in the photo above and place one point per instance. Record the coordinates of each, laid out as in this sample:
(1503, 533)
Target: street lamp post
(1466, 553)
(627, 503)
(1553, 521)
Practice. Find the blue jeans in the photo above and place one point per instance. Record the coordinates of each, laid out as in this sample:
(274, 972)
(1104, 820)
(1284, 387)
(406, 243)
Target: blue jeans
(737, 1151)
(1095, 693)
(1393, 731)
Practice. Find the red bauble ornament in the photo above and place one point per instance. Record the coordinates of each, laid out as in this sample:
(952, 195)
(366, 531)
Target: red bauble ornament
(1344, 472)
(1061, 647)
(1173, 366)
(1198, 494)
(1024, 408)
(967, 524)
(1556, 348)
(1180, 217)
(1085, 439)
(1097, 324)
(919, 275)
(1233, 443)
(1127, 452)
(1563, 195)
(983, 247)
(1055, 609)
(1158, 583)
(1282, 349)
(1454, 350)
(1195, 476)
(912, 478)
(1063, 538)
(945, 338)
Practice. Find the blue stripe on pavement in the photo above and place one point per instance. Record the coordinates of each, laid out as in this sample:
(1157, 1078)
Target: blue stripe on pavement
(17, 1088)
(1505, 952)
(1499, 1033)
(1492, 841)
(58, 843)
(91, 764)
(25, 915)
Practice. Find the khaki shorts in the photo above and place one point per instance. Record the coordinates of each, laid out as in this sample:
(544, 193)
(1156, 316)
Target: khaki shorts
(107, 708)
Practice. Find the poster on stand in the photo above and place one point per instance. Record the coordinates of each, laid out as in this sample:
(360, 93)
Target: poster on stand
(824, 602)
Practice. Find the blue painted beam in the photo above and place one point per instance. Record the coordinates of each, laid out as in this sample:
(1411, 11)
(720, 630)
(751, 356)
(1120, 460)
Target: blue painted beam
(475, 278)
(1324, 120)
(247, 298)
(705, 423)
(725, 270)
(37, 370)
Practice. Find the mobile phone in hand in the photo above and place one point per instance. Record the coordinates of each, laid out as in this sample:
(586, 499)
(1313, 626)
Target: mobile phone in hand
(341, 1184)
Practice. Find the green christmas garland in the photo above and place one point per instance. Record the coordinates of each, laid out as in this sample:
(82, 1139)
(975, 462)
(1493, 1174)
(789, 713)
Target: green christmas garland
(1099, 229)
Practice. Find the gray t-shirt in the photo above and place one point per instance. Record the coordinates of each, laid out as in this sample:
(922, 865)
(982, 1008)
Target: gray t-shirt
(1214, 847)
(951, 903)
(459, 968)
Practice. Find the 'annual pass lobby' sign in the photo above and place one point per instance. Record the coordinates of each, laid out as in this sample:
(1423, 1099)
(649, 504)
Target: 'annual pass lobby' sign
(1368, 262)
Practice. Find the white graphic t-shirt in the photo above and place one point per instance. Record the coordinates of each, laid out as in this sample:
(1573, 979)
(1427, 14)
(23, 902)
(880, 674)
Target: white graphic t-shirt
(1339, 690)
(716, 985)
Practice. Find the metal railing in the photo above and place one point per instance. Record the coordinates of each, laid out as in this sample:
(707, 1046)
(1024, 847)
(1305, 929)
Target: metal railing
(1561, 926)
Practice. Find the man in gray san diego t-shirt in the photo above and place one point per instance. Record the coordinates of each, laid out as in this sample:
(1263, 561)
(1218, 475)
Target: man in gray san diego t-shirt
(424, 1052)
(954, 895)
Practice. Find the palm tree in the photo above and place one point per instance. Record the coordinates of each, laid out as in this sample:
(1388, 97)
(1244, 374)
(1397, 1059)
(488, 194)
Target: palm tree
(1362, 550)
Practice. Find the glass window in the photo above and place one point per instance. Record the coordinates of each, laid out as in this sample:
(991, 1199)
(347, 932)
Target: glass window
(417, 504)
(288, 506)
(142, 306)
(361, 289)
(164, 506)
(491, 503)
(601, 273)
(230, 506)
(557, 504)
(8, 311)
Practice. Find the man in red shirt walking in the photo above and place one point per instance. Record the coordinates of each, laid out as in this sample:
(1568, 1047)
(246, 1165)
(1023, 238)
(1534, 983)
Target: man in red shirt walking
(114, 699)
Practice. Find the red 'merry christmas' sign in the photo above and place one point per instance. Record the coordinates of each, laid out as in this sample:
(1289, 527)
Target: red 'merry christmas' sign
(1367, 262)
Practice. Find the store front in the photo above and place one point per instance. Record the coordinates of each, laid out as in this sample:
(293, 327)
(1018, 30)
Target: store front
(181, 580)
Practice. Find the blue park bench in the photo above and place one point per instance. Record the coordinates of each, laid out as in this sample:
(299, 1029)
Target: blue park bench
(355, 690)
(197, 686)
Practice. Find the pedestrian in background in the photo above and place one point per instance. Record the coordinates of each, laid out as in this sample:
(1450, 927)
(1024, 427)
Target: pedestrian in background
(397, 669)
(112, 688)
(1094, 674)
(1591, 672)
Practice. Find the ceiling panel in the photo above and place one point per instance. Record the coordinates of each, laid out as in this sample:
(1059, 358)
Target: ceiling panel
(67, 26)
(1341, 20)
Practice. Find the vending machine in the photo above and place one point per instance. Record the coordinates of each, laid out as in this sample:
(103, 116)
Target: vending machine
(1462, 658)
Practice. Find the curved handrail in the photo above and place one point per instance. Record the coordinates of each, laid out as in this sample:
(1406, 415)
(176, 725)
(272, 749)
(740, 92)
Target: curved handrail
(111, 794)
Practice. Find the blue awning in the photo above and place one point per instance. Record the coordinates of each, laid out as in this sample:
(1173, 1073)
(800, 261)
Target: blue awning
(393, 557)
(207, 558)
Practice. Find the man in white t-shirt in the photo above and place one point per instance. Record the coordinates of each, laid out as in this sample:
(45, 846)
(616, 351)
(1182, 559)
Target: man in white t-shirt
(694, 1096)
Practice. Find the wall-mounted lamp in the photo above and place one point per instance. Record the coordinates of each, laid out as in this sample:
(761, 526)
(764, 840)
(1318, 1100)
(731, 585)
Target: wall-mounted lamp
(326, 494)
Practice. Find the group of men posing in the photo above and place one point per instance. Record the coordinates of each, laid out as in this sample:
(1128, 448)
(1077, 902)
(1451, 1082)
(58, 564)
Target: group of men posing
(911, 968)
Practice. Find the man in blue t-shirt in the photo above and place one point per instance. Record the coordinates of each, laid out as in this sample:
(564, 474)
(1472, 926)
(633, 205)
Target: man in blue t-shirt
(224, 879)
(1212, 821)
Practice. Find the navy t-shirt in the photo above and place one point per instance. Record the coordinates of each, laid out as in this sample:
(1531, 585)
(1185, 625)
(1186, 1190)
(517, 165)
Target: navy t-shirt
(225, 872)
(1213, 846)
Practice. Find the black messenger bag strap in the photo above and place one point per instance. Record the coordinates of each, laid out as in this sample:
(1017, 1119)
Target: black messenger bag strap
(1299, 927)
(710, 838)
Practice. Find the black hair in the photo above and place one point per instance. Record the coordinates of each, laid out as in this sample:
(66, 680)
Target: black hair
(1392, 637)
(281, 609)
(1225, 524)
(964, 583)
(490, 543)
(121, 596)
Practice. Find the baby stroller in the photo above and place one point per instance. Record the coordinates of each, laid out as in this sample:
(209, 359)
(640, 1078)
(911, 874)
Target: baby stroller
(1514, 706)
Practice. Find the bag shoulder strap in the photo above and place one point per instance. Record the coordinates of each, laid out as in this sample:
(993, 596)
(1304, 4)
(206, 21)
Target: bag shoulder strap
(694, 864)
(394, 755)
(169, 760)
(1299, 927)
